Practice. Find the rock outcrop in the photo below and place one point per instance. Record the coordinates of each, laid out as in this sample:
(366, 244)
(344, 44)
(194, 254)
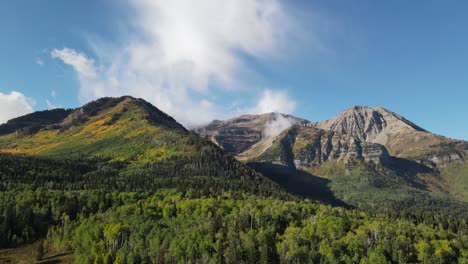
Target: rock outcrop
(303, 147)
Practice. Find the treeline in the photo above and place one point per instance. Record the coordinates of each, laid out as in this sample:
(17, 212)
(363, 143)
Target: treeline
(171, 228)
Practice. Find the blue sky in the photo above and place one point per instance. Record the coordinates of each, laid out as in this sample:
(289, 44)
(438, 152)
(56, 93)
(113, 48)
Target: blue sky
(222, 58)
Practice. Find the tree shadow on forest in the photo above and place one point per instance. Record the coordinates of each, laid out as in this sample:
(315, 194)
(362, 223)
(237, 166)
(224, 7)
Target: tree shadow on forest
(299, 182)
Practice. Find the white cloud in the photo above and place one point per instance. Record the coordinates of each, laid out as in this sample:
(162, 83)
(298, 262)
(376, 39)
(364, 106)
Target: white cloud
(277, 125)
(39, 61)
(13, 105)
(82, 64)
(274, 101)
(180, 50)
(53, 93)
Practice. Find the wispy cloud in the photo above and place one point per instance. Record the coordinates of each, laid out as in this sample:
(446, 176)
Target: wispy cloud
(39, 61)
(180, 52)
(79, 61)
(14, 104)
(277, 125)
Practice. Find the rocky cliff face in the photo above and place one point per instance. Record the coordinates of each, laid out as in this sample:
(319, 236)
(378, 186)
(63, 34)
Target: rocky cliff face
(443, 154)
(238, 134)
(303, 147)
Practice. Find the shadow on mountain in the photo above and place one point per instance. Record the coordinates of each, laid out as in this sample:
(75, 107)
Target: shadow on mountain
(299, 182)
(410, 169)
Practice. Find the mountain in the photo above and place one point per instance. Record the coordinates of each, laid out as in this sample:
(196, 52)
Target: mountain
(122, 143)
(391, 150)
(401, 137)
(446, 159)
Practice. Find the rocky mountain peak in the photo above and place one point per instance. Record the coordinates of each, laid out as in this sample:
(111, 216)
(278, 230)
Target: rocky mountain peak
(368, 124)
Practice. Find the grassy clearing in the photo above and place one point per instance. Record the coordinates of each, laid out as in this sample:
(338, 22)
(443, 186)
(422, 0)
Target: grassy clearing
(456, 177)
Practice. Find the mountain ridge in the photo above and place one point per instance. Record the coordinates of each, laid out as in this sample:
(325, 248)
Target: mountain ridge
(401, 137)
(376, 138)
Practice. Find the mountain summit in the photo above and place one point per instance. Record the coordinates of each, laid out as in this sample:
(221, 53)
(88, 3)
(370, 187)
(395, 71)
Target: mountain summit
(370, 124)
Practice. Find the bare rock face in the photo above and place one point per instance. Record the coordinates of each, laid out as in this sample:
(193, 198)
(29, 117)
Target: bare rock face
(441, 161)
(375, 153)
(302, 147)
(442, 155)
(238, 134)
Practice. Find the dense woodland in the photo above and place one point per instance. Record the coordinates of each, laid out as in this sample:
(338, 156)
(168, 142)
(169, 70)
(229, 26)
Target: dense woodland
(90, 208)
(174, 227)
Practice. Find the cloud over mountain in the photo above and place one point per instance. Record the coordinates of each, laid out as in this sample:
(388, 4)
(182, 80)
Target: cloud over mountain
(182, 52)
(276, 101)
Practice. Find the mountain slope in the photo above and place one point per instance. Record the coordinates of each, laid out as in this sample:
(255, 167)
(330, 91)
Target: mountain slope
(121, 143)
